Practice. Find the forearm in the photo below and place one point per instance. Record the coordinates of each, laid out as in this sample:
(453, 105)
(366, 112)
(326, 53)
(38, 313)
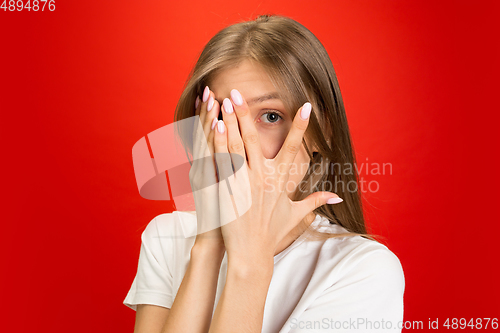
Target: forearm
(193, 305)
(241, 305)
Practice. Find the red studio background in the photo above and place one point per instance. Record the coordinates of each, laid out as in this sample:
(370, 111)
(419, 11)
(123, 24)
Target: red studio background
(81, 84)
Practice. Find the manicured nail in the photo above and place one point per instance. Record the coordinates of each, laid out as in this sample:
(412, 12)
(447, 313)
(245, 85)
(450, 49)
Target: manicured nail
(220, 126)
(210, 103)
(334, 200)
(306, 111)
(206, 92)
(236, 96)
(197, 102)
(228, 107)
(214, 122)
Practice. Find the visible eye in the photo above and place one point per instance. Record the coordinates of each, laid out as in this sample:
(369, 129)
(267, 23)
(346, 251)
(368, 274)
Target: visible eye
(270, 117)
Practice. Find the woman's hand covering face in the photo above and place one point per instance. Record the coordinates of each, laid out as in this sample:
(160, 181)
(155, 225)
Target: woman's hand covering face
(255, 210)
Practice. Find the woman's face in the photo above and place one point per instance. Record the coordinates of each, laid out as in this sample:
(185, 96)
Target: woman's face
(271, 119)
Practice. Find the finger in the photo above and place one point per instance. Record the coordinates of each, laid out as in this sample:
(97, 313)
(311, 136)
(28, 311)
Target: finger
(197, 105)
(209, 110)
(225, 172)
(210, 141)
(213, 110)
(313, 201)
(199, 133)
(293, 141)
(222, 158)
(234, 141)
(211, 136)
(203, 104)
(249, 134)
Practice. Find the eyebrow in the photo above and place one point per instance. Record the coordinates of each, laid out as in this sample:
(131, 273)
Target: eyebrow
(263, 98)
(260, 99)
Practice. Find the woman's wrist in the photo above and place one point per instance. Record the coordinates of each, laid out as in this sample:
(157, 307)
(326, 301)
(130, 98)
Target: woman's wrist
(251, 267)
(206, 249)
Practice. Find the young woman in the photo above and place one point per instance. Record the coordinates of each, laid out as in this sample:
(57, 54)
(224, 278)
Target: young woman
(289, 251)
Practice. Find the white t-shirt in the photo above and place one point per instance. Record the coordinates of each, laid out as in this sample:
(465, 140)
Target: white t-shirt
(338, 284)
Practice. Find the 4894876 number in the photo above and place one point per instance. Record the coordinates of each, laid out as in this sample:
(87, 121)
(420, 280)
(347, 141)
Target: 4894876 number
(30, 5)
(474, 323)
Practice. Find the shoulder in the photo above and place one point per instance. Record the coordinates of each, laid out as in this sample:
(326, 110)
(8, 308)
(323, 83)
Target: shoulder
(164, 241)
(356, 257)
(360, 259)
(170, 225)
(377, 260)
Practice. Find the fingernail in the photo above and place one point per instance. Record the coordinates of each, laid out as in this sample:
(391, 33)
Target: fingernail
(236, 96)
(334, 201)
(306, 111)
(197, 102)
(220, 126)
(214, 122)
(228, 107)
(210, 103)
(206, 92)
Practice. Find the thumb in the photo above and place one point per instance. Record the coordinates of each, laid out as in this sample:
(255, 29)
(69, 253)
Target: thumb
(316, 200)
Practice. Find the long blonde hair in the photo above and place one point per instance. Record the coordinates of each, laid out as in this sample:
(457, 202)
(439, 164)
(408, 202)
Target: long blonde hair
(301, 71)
